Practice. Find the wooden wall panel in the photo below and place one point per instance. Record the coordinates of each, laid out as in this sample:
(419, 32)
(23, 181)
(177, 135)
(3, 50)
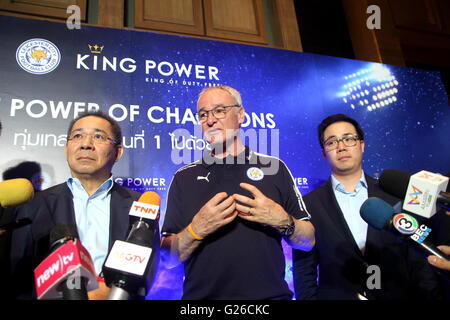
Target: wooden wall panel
(375, 45)
(416, 14)
(184, 16)
(111, 13)
(235, 20)
(47, 8)
(285, 27)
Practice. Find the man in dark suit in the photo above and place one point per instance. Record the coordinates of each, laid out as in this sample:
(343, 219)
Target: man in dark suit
(351, 260)
(89, 199)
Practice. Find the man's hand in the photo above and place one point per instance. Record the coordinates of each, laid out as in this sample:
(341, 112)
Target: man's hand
(438, 262)
(217, 212)
(260, 209)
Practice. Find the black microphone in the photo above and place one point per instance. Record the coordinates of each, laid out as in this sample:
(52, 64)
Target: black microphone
(60, 234)
(380, 215)
(130, 265)
(15, 224)
(419, 200)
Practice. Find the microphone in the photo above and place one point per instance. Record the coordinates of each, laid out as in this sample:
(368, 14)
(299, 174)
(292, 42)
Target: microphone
(382, 216)
(15, 192)
(127, 267)
(68, 272)
(422, 192)
(15, 224)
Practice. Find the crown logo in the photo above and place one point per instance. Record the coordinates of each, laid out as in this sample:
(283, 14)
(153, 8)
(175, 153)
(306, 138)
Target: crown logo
(96, 48)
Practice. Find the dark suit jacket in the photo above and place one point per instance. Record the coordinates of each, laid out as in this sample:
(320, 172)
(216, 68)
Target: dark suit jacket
(6, 216)
(342, 268)
(30, 244)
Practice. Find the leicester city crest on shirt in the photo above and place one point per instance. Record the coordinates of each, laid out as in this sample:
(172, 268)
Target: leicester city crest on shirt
(255, 174)
(38, 56)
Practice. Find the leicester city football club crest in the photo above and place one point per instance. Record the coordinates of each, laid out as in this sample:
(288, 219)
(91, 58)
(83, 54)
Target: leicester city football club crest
(255, 174)
(38, 56)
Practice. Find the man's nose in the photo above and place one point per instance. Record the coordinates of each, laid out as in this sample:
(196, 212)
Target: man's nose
(211, 119)
(87, 142)
(341, 145)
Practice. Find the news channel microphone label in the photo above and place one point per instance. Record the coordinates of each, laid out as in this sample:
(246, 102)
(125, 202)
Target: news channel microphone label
(405, 223)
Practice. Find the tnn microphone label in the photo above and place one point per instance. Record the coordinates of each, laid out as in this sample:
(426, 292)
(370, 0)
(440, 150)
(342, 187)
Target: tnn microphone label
(144, 210)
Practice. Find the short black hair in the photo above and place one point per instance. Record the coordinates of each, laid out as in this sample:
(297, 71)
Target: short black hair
(339, 117)
(116, 130)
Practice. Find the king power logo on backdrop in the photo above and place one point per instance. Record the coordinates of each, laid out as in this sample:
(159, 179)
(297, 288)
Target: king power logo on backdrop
(97, 60)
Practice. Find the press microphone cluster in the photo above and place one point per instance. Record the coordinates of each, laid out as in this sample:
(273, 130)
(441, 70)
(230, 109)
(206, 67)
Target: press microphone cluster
(15, 192)
(68, 272)
(423, 192)
(127, 267)
(380, 215)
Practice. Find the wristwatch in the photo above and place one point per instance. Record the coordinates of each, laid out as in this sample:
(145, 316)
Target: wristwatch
(287, 231)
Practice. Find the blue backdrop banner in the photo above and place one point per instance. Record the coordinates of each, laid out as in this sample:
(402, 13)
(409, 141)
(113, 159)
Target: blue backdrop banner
(149, 83)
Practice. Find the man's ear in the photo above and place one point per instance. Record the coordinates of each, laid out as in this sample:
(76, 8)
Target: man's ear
(241, 115)
(119, 152)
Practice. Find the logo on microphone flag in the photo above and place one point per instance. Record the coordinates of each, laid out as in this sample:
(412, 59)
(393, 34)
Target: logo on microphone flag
(415, 195)
(71, 258)
(422, 192)
(128, 257)
(144, 210)
(405, 223)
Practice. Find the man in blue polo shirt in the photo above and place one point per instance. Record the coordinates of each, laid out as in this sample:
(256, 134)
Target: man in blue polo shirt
(89, 199)
(227, 213)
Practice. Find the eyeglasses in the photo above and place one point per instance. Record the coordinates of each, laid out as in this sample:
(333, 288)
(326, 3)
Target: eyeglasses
(218, 112)
(98, 137)
(349, 140)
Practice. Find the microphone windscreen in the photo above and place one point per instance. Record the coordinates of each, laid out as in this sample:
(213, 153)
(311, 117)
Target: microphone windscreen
(62, 231)
(394, 182)
(150, 197)
(15, 192)
(376, 212)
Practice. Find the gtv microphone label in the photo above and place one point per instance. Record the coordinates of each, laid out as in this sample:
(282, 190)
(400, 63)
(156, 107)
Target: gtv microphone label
(128, 257)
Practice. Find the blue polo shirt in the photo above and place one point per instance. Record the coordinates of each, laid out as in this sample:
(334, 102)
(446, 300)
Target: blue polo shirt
(92, 215)
(350, 203)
